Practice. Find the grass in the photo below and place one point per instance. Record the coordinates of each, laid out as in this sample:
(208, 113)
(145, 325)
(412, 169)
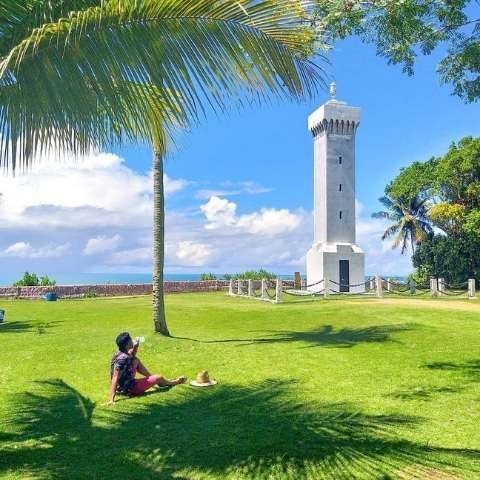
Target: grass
(341, 389)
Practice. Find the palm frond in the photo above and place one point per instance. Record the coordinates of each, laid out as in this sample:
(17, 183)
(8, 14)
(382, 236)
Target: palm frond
(387, 202)
(390, 231)
(67, 75)
(386, 215)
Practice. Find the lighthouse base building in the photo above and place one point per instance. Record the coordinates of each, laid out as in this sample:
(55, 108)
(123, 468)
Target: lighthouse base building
(334, 255)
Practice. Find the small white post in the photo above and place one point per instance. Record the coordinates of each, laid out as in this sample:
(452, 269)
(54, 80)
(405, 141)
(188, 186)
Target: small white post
(230, 287)
(326, 287)
(441, 287)
(239, 287)
(388, 284)
(434, 287)
(372, 284)
(250, 287)
(378, 282)
(304, 283)
(472, 295)
(278, 290)
(264, 289)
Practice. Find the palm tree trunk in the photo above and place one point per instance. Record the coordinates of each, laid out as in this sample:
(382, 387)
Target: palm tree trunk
(159, 319)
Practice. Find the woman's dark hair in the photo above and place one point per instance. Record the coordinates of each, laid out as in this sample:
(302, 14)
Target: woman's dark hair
(123, 340)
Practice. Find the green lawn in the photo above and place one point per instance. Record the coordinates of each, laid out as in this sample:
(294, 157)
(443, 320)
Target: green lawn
(339, 389)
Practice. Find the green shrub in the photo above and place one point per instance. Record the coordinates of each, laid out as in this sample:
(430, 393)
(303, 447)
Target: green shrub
(91, 293)
(207, 276)
(47, 282)
(254, 275)
(32, 280)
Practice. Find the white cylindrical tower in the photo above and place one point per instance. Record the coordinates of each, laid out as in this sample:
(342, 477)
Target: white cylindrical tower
(334, 253)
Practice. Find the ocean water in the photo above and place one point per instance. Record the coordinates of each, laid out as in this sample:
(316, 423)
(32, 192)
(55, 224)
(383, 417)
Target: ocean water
(102, 278)
(113, 278)
(126, 278)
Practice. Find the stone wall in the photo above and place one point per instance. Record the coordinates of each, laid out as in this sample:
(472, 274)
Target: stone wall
(79, 291)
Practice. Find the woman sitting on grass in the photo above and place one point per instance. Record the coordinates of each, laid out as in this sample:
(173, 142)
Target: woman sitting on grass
(125, 365)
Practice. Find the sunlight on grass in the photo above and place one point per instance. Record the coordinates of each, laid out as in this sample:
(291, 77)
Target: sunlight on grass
(333, 390)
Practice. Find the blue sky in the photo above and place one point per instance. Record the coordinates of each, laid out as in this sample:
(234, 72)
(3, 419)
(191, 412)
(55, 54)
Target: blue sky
(239, 186)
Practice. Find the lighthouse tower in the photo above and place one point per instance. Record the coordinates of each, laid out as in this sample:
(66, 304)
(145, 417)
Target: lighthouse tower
(334, 254)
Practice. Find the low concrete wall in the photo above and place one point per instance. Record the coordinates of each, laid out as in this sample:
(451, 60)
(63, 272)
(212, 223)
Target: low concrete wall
(79, 291)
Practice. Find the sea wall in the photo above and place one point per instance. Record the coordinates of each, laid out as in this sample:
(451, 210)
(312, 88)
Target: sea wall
(110, 290)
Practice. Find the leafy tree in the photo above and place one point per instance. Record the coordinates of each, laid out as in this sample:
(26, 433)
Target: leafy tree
(410, 222)
(422, 275)
(448, 217)
(450, 185)
(403, 29)
(28, 280)
(455, 259)
(472, 223)
(81, 73)
(418, 179)
(32, 280)
(457, 174)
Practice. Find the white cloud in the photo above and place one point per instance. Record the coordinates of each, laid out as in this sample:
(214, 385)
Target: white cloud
(228, 189)
(193, 254)
(98, 191)
(131, 257)
(100, 205)
(269, 221)
(25, 250)
(101, 244)
(221, 213)
(379, 256)
(172, 186)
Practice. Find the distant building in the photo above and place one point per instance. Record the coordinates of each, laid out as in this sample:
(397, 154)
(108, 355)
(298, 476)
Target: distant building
(334, 253)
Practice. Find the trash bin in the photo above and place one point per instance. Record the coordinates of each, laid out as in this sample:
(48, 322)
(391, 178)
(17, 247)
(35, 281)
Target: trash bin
(2, 316)
(51, 297)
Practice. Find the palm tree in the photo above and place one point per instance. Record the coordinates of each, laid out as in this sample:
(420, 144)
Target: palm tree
(410, 221)
(73, 75)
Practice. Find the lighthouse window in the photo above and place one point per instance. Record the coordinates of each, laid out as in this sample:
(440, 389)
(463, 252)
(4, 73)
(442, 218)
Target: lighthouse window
(340, 214)
(340, 188)
(339, 160)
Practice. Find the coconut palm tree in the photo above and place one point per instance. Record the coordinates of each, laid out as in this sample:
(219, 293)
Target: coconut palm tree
(410, 221)
(73, 75)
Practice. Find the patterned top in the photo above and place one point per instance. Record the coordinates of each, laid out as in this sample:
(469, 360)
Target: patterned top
(126, 377)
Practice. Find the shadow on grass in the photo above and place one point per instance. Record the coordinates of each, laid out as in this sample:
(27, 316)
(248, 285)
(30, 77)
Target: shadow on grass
(470, 369)
(324, 336)
(226, 432)
(423, 393)
(21, 327)
(14, 327)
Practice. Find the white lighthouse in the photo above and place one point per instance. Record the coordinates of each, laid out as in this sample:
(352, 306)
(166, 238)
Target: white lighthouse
(334, 254)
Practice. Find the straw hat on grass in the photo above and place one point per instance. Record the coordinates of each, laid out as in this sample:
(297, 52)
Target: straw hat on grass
(203, 380)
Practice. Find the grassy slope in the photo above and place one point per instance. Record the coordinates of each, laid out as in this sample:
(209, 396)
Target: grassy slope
(339, 389)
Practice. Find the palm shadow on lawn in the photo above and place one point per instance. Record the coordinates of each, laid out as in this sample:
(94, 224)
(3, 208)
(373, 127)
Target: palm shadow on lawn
(15, 327)
(19, 326)
(423, 393)
(323, 336)
(256, 432)
(469, 369)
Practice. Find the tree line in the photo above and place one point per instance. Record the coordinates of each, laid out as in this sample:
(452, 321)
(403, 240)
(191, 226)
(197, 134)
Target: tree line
(434, 207)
